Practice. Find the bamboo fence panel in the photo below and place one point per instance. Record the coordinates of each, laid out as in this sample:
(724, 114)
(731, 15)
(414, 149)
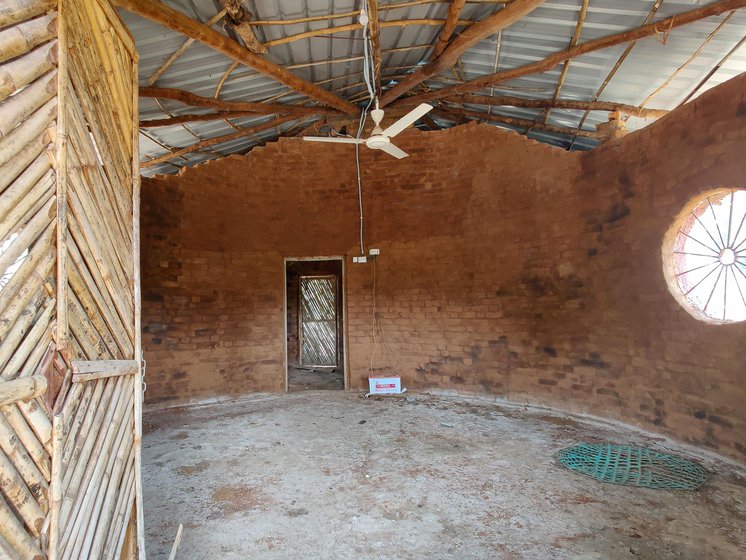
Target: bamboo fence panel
(69, 281)
(28, 115)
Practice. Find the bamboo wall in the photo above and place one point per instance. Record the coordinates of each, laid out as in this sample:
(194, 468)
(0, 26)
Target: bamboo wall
(69, 303)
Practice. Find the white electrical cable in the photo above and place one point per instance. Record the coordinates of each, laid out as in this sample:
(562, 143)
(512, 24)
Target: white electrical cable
(367, 62)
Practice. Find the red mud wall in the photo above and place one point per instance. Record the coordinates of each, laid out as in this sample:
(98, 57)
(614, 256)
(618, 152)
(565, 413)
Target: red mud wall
(507, 267)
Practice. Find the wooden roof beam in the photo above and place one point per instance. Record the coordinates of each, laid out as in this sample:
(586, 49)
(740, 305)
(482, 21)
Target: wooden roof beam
(177, 21)
(503, 100)
(218, 140)
(662, 26)
(528, 124)
(188, 98)
(454, 10)
(470, 37)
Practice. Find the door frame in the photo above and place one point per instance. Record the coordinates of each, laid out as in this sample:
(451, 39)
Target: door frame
(343, 319)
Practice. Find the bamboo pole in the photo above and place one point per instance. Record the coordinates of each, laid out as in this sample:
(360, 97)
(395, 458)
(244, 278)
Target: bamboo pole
(27, 236)
(177, 542)
(355, 26)
(137, 385)
(83, 505)
(87, 411)
(566, 64)
(91, 297)
(55, 485)
(30, 129)
(21, 38)
(27, 438)
(16, 335)
(463, 42)
(15, 11)
(181, 50)
(35, 179)
(34, 337)
(123, 509)
(24, 464)
(7, 551)
(13, 531)
(87, 217)
(40, 252)
(90, 370)
(218, 140)
(177, 21)
(23, 70)
(14, 488)
(79, 469)
(107, 491)
(15, 166)
(22, 389)
(16, 109)
(546, 64)
(33, 289)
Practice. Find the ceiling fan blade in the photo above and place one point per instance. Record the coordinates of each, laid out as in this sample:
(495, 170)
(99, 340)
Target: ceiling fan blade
(392, 150)
(333, 139)
(408, 119)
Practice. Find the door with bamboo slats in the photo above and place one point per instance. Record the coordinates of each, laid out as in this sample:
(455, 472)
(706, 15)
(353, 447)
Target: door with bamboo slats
(70, 386)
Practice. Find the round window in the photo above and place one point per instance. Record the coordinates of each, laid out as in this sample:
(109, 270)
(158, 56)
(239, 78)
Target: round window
(704, 256)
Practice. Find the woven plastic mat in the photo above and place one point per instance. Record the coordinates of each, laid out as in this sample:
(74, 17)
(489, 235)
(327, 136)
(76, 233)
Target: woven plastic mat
(633, 466)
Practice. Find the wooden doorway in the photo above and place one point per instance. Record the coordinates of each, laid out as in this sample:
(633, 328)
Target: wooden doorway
(314, 314)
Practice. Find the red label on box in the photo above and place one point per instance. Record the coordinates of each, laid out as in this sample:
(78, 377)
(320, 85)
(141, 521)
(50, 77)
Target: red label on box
(385, 385)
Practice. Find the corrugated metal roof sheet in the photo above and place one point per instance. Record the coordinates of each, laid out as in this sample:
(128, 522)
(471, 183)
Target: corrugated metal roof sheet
(335, 63)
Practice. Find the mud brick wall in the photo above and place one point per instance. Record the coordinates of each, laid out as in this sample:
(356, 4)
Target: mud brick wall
(507, 267)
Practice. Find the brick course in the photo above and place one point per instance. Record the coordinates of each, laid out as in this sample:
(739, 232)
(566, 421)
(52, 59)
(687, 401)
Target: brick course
(507, 267)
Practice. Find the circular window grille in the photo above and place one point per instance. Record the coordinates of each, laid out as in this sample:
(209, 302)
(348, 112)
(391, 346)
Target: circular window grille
(705, 256)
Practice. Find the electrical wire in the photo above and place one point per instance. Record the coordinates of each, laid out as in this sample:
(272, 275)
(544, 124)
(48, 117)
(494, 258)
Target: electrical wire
(367, 66)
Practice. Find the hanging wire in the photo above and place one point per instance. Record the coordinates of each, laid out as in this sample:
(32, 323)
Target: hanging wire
(367, 73)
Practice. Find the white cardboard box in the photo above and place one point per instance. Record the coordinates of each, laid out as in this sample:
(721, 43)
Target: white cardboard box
(384, 385)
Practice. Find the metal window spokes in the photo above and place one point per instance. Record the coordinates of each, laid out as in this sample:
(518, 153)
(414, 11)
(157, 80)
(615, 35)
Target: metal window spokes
(710, 252)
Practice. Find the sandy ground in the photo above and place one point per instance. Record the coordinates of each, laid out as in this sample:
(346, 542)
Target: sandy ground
(321, 475)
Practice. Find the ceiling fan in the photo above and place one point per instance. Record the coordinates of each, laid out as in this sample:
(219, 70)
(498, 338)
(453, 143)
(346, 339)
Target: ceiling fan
(381, 139)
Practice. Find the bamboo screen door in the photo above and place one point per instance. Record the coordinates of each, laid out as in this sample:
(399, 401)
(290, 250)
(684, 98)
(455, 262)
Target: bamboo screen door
(318, 321)
(70, 356)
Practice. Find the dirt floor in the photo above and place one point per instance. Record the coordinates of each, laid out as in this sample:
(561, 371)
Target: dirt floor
(317, 475)
(310, 379)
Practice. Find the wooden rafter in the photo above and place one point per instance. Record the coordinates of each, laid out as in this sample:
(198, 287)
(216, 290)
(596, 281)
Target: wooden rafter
(218, 140)
(258, 108)
(467, 39)
(374, 29)
(521, 123)
(566, 63)
(685, 18)
(696, 53)
(355, 26)
(177, 21)
(714, 70)
(628, 49)
(181, 50)
(219, 116)
(454, 11)
(507, 100)
(352, 14)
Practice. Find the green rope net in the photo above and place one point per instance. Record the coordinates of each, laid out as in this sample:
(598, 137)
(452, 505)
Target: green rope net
(633, 466)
